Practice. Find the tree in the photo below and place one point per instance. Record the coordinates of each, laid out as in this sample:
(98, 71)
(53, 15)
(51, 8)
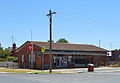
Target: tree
(11, 58)
(62, 40)
(4, 53)
(7, 53)
(1, 53)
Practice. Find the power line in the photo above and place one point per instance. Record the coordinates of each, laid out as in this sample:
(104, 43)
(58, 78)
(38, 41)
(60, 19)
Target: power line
(92, 22)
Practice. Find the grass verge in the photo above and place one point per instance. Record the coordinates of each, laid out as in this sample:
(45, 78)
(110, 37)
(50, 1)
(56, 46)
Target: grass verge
(8, 70)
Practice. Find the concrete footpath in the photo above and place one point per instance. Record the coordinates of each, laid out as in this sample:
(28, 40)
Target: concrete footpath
(84, 70)
(69, 70)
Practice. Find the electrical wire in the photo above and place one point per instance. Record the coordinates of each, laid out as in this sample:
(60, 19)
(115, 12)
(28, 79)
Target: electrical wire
(86, 21)
(76, 17)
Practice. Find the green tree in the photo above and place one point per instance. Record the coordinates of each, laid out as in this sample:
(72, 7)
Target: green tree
(62, 40)
(11, 58)
(4, 53)
(1, 53)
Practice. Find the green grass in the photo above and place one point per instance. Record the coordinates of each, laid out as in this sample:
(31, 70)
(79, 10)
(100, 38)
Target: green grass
(8, 70)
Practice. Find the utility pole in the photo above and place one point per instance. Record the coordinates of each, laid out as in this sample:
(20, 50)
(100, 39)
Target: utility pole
(50, 58)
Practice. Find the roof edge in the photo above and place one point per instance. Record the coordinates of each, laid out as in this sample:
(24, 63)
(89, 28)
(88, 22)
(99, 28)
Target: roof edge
(22, 46)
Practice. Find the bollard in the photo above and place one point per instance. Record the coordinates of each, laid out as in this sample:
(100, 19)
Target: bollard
(90, 68)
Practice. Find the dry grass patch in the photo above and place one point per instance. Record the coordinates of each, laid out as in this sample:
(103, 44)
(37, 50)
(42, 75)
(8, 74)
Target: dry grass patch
(8, 70)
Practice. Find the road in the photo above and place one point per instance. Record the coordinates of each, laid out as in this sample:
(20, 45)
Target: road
(108, 77)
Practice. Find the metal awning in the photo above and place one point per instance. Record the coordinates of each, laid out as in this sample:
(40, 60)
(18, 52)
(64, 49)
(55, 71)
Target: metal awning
(73, 53)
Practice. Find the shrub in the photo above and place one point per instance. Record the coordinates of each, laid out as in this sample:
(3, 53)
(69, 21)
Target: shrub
(1, 59)
(10, 58)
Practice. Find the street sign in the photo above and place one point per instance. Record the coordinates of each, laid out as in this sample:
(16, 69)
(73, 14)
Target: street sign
(43, 49)
(30, 47)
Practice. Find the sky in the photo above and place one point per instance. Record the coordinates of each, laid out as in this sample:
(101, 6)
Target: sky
(79, 21)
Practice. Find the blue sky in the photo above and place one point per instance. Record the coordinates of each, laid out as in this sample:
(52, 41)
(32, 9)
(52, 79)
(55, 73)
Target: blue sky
(79, 21)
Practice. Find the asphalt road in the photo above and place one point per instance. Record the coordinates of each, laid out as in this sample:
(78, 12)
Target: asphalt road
(109, 77)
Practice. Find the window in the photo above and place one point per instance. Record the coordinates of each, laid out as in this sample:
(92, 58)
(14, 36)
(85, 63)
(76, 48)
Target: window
(33, 57)
(22, 58)
(29, 58)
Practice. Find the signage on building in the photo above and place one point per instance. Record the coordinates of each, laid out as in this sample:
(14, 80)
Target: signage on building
(109, 53)
(30, 47)
(43, 49)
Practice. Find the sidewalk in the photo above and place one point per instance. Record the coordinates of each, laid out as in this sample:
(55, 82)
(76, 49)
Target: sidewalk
(84, 70)
(70, 70)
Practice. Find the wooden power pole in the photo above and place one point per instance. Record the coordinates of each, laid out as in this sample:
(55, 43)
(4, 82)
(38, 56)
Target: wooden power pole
(50, 58)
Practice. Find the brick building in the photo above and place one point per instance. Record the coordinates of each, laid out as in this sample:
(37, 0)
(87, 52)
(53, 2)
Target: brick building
(64, 55)
(13, 49)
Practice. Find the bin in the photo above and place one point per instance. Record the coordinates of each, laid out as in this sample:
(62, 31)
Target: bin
(90, 68)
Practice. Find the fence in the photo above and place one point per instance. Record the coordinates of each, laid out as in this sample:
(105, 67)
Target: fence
(9, 64)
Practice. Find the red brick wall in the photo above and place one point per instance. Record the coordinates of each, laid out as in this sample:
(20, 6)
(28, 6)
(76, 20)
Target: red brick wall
(38, 57)
(41, 58)
(23, 51)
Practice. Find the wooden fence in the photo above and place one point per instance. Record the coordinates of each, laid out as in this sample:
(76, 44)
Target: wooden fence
(9, 64)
